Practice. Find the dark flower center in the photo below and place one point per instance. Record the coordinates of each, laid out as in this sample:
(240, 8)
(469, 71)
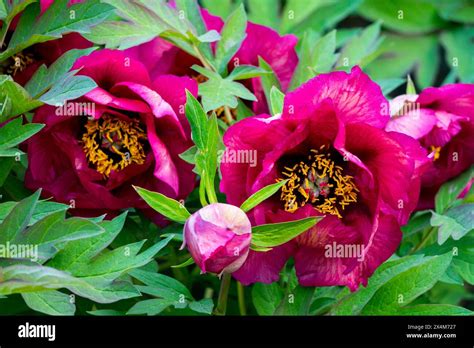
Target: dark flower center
(111, 143)
(19, 62)
(318, 181)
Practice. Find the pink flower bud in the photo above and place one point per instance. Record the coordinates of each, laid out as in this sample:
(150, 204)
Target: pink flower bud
(218, 238)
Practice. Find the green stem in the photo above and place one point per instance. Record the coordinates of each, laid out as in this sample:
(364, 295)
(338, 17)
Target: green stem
(228, 115)
(241, 298)
(3, 33)
(423, 241)
(223, 295)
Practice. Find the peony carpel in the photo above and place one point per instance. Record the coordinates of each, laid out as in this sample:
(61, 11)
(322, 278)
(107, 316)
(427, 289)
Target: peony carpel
(340, 163)
(129, 132)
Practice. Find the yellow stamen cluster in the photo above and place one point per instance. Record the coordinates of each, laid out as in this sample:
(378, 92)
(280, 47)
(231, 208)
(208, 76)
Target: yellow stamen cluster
(111, 136)
(436, 150)
(320, 182)
(19, 63)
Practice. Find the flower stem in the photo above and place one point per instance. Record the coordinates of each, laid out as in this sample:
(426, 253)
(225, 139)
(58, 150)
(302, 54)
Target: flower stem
(423, 241)
(223, 295)
(241, 298)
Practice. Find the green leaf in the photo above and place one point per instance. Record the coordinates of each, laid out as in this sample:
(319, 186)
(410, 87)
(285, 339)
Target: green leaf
(261, 195)
(221, 8)
(42, 209)
(168, 207)
(388, 85)
(217, 91)
(17, 220)
(69, 87)
(352, 303)
(198, 121)
(50, 302)
(204, 306)
(410, 86)
(56, 229)
(459, 46)
(82, 251)
(232, 35)
(57, 20)
(186, 263)
(14, 133)
(296, 302)
(434, 309)
(163, 282)
(242, 72)
(276, 101)
(407, 286)
(189, 155)
(271, 235)
(46, 77)
(405, 16)
(400, 55)
(210, 36)
(448, 193)
(319, 57)
(361, 47)
(102, 290)
(264, 12)
(317, 15)
(149, 307)
(269, 80)
(16, 100)
(121, 260)
(455, 223)
(457, 11)
(266, 297)
(21, 278)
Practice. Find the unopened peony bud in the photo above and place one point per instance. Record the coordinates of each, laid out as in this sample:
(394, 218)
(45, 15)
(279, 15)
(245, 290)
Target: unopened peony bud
(218, 238)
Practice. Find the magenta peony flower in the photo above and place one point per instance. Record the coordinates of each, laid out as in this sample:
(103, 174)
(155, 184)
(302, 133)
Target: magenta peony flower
(218, 238)
(278, 51)
(442, 119)
(330, 144)
(134, 137)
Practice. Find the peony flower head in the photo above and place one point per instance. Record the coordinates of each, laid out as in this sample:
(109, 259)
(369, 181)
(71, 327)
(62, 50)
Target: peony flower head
(442, 120)
(127, 131)
(218, 238)
(331, 146)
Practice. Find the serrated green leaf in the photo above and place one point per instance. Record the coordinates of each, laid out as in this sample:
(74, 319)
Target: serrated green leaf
(45, 77)
(166, 206)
